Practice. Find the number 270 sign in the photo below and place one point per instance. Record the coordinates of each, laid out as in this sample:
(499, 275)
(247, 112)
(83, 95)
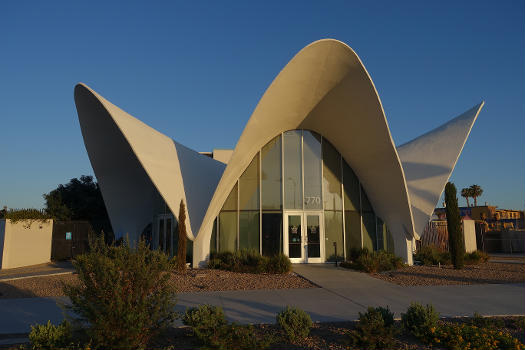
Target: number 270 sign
(312, 200)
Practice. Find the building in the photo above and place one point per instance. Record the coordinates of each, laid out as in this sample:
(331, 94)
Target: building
(314, 174)
(493, 218)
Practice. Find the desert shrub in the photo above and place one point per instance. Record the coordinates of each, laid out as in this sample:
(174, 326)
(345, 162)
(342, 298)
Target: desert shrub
(204, 320)
(279, 263)
(49, 336)
(432, 255)
(249, 261)
(486, 322)
(238, 337)
(374, 330)
(295, 323)
(375, 261)
(124, 295)
(476, 257)
(420, 320)
(464, 336)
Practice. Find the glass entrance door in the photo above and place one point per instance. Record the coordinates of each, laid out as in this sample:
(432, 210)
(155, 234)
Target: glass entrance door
(163, 237)
(303, 237)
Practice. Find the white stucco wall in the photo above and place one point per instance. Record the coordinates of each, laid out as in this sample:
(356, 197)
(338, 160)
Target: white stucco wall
(25, 244)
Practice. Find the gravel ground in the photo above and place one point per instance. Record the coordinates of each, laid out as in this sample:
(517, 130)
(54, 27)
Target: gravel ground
(447, 275)
(192, 281)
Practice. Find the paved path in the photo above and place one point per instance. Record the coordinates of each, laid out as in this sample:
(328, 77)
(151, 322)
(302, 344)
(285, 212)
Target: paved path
(344, 294)
(54, 268)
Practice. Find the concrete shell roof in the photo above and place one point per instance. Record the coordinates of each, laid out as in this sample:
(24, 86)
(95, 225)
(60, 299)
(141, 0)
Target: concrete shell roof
(324, 88)
(428, 161)
(135, 163)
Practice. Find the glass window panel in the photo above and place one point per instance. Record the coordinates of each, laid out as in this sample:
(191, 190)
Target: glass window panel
(352, 231)
(294, 236)
(331, 177)
(312, 170)
(213, 240)
(249, 186)
(313, 236)
(271, 173)
(364, 201)
(228, 231)
(189, 251)
(161, 234)
(272, 233)
(351, 188)
(293, 185)
(169, 237)
(175, 237)
(380, 234)
(231, 201)
(389, 241)
(249, 230)
(333, 228)
(369, 231)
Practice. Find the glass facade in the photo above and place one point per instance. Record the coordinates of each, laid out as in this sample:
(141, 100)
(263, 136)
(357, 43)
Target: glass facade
(312, 170)
(301, 175)
(271, 175)
(293, 183)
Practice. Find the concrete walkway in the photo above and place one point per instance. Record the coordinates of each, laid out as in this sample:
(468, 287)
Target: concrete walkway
(343, 295)
(48, 269)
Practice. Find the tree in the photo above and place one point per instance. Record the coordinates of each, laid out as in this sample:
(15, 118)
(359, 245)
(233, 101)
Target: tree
(466, 193)
(476, 191)
(456, 241)
(79, 199)
(181, 248)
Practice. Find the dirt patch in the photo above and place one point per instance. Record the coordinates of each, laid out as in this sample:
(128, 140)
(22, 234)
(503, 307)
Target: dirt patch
(193, 281)
(447, 275)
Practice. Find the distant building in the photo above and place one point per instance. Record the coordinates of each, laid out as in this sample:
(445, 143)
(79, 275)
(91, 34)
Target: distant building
(495, 218)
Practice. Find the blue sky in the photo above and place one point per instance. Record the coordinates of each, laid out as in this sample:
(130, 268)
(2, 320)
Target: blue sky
(195, 71)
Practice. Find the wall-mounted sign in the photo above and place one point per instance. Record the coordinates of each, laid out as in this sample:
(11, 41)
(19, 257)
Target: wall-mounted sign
(68, 236)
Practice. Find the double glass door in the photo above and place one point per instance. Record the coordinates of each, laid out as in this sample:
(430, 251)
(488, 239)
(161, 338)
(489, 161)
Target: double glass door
(163, 234)
(304, 237)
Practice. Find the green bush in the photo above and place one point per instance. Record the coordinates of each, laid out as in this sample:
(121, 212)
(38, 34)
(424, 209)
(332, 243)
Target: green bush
(124, 295)
(294, 322)
(239, 337)
(431, 255)
(48, 336)
(465, 337)
(375, 261)
(249, 261)
(279, 263)
(476, 257)
(420, 320)
(374, 330)
(204, 320)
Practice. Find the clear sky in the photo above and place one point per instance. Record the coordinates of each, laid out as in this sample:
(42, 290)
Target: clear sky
(195, 71)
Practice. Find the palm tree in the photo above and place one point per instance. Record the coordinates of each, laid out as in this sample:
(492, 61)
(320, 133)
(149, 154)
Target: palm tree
(477, 191)
(466, 193)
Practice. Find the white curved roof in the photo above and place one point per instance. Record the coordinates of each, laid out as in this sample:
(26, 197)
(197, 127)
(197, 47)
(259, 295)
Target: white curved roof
(324, 88)
(167, 168)
(428, 161)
